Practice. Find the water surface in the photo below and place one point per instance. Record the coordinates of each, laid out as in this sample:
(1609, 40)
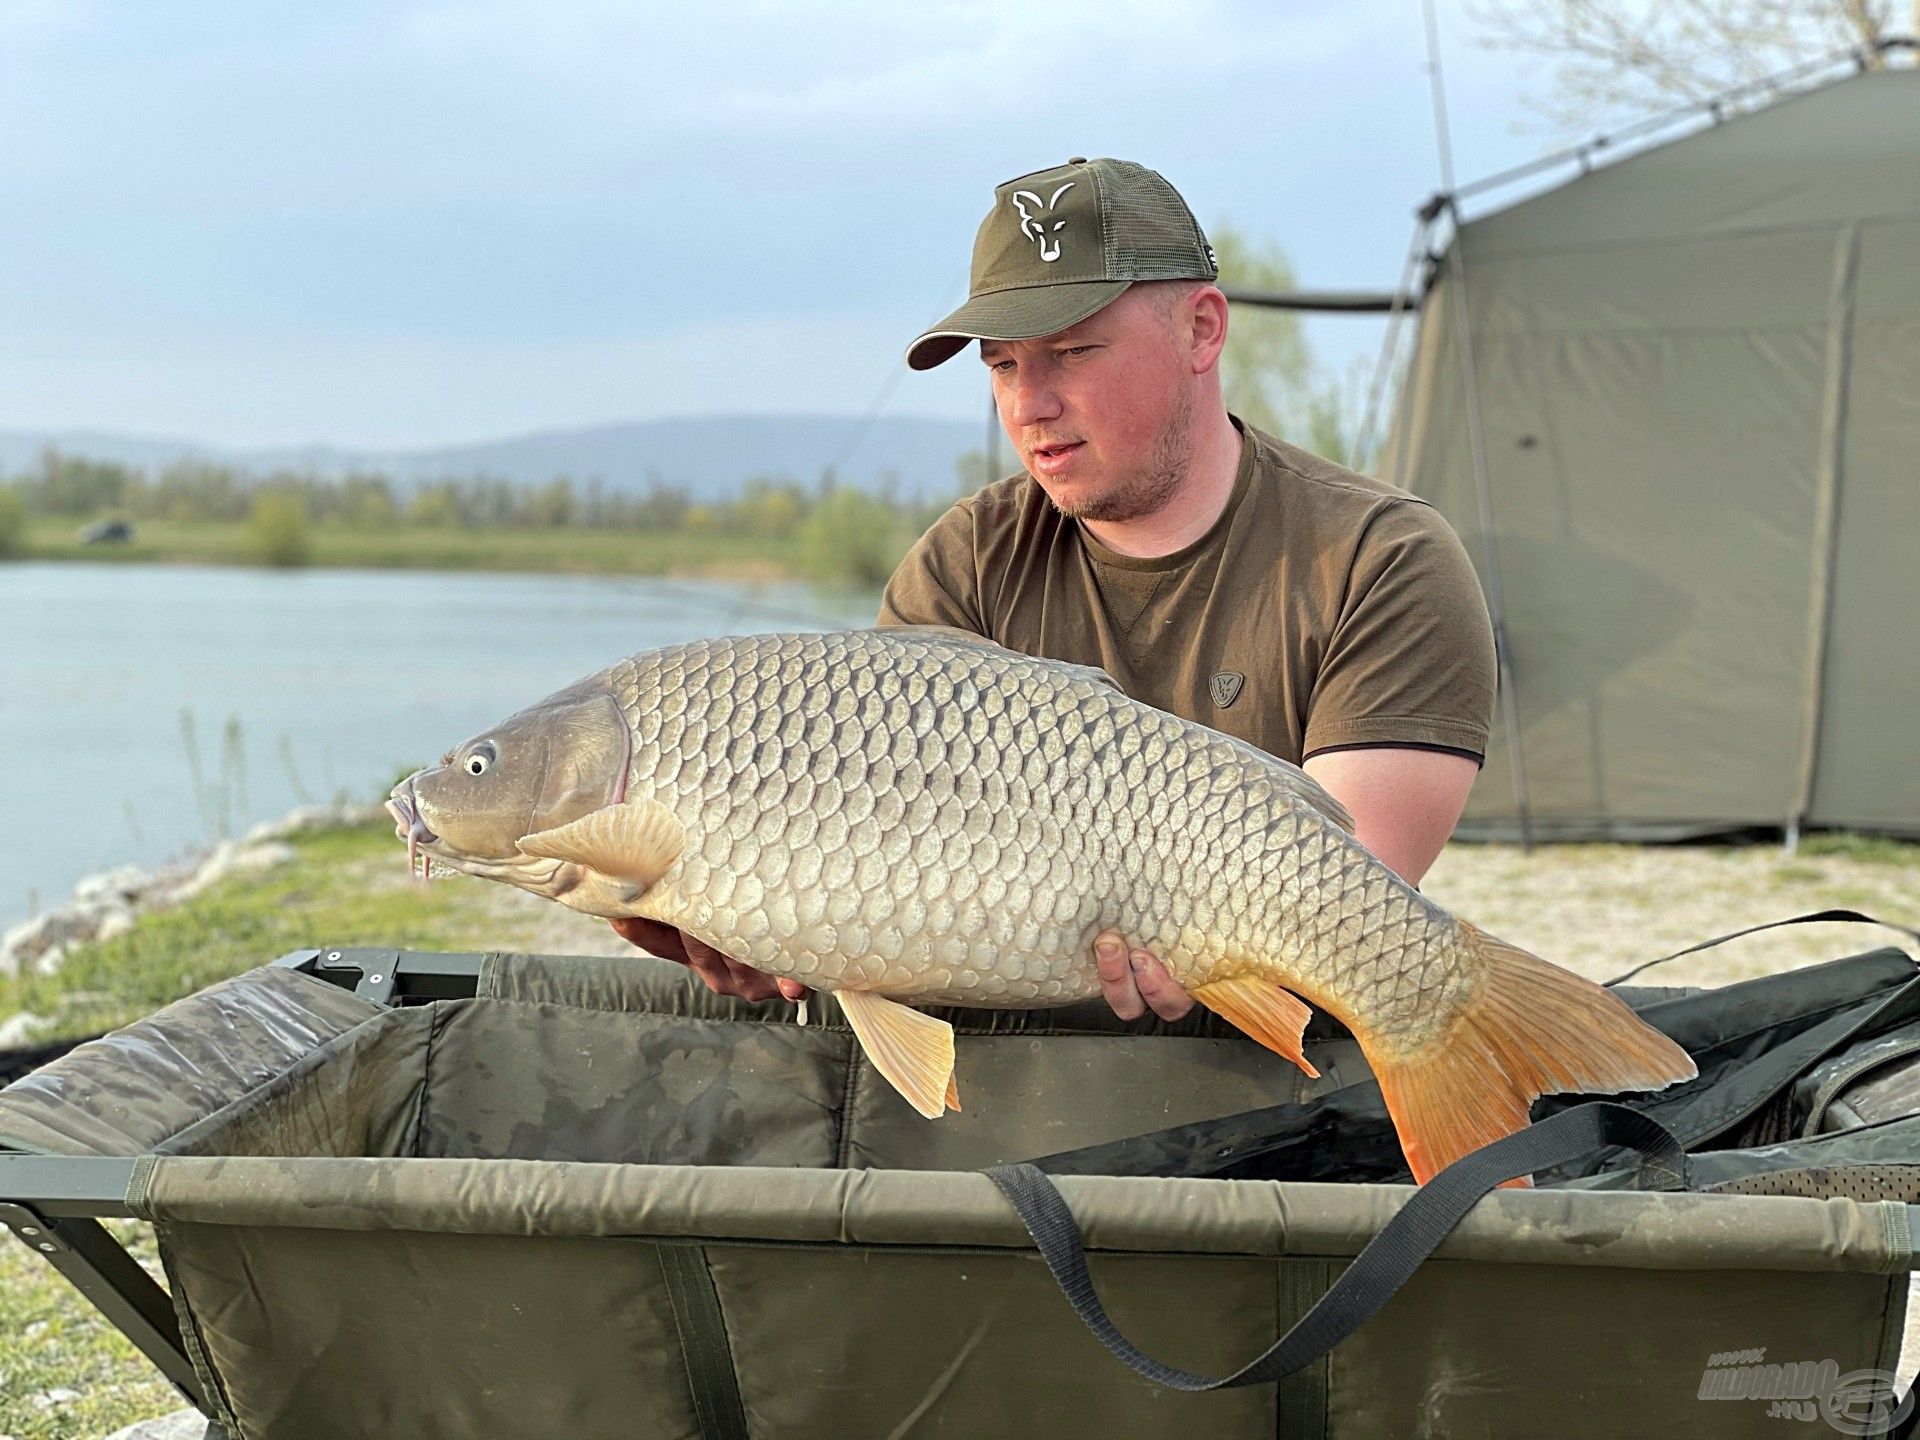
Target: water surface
(337, 680)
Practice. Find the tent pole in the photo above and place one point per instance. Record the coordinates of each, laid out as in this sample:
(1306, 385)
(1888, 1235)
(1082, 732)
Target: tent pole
(1483, 490)
(1826, 518)
(1382, 368)
(1476, 442)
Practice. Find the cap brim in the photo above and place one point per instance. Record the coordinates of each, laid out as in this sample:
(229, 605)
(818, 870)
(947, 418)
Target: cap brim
(1023, 314)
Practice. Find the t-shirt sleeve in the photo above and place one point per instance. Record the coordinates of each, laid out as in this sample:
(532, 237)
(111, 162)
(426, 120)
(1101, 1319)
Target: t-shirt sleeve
(1410, 660)
(937, 583)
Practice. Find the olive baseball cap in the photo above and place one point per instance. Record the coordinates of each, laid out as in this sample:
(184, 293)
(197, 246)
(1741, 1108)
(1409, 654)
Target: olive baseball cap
(1060, 244)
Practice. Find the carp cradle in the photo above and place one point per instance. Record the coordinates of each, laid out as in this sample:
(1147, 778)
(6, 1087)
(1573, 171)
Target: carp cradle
(414, 1194)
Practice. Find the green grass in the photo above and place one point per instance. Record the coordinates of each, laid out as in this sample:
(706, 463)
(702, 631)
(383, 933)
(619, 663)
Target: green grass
(331, 893)
(1870, 849)
(51, 1340)
(345, 886)
(569, 550)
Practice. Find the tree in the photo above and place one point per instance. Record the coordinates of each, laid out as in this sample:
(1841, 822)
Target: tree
(971, 471)
(277, 529)
(1615, 56)
(70, 485)
(13, 522)
(770, 506)
(1267, 371)
(553, 504)
(435, 505)
(851, 537)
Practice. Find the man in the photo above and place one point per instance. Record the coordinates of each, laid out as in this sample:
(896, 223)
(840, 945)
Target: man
(1214, 571)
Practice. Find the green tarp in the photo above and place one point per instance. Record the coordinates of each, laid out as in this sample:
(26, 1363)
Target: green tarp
(1695, 370)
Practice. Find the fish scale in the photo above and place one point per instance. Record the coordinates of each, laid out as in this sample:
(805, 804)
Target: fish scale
(1072, 758)
(914, 815)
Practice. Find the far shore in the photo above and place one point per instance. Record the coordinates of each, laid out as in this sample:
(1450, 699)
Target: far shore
(579, 550)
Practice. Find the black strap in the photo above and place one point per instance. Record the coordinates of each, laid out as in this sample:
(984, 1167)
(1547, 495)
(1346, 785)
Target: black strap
(1379, 1270)
(703, 1342)
(1816, 916)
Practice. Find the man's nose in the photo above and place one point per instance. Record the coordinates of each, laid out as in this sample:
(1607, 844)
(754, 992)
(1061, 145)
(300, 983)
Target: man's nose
(1029, 400)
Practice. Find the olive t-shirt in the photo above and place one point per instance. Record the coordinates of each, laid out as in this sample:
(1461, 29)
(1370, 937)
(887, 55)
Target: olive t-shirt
(1323, 610)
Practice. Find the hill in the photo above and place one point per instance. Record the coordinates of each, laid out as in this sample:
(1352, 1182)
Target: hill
(711, 456)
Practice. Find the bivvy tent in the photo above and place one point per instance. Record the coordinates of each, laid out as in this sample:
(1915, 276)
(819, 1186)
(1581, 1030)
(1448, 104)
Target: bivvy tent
(1672, 407)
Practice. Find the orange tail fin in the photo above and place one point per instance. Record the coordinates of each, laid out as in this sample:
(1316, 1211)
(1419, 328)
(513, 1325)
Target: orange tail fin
(1533, 1029)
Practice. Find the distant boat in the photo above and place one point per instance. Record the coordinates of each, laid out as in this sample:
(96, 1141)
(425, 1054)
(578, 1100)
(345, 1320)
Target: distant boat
(107, 532)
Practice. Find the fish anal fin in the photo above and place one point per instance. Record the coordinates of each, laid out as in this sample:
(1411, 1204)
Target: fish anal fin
(1277, 1018)
(1533, 1029)
(638, 840)
(913, 1051)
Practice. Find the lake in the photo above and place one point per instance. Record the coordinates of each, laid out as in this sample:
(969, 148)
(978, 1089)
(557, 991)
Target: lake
(114, 678)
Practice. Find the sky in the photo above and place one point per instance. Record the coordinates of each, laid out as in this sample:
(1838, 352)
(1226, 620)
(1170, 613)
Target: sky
(409, 224)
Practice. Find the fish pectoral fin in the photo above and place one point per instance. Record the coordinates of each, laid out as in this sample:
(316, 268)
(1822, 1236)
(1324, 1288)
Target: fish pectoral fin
(636, 841)
(1533, 1029)
(1275, 1017)
(914, 1051)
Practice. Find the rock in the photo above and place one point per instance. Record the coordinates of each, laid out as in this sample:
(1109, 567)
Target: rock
(48, 962)
(114, 924)
(234, 857)
(19, 1031)
(33, 938)
(47, 1399)
(121, 886)
(186, 1424)
(314, 817)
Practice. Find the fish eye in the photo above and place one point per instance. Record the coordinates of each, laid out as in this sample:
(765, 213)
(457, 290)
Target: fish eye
(476, 764)
(482, 758)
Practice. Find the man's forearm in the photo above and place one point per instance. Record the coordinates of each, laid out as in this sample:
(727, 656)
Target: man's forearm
(1404, 802)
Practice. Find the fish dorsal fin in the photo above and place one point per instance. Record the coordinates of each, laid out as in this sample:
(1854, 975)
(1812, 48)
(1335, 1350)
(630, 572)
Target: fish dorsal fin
(914, 1051)
(953, 635)
(636, 841)
(1315, 794)
(1294, 781)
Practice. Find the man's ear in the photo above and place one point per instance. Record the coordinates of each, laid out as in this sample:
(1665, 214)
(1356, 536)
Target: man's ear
(1207, 315)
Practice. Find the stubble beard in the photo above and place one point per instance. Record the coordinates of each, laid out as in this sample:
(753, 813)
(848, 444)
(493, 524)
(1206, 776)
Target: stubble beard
(1146, 490)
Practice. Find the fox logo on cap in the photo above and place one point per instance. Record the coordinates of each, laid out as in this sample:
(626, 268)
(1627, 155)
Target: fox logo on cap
(1034, 213)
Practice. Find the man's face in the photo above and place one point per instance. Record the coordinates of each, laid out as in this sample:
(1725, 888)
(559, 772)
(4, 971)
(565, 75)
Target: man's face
(1101, 412)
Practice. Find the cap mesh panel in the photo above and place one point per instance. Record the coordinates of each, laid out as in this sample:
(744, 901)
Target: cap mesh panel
(1149, 232)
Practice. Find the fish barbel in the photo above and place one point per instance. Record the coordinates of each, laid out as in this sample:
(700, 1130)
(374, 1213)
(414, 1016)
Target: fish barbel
(916, 815)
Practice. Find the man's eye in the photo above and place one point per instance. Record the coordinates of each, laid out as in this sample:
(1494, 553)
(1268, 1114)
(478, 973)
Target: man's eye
(999, 365)
(1077, 349)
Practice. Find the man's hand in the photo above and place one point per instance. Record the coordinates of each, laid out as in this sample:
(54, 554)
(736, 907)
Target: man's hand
(1134, 981)
(1404, 805)
(721, 975)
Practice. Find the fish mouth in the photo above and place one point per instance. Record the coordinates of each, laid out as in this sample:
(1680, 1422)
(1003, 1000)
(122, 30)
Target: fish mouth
(404, 806)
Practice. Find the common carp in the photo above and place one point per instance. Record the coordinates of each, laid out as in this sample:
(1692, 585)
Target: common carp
(915, 815)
